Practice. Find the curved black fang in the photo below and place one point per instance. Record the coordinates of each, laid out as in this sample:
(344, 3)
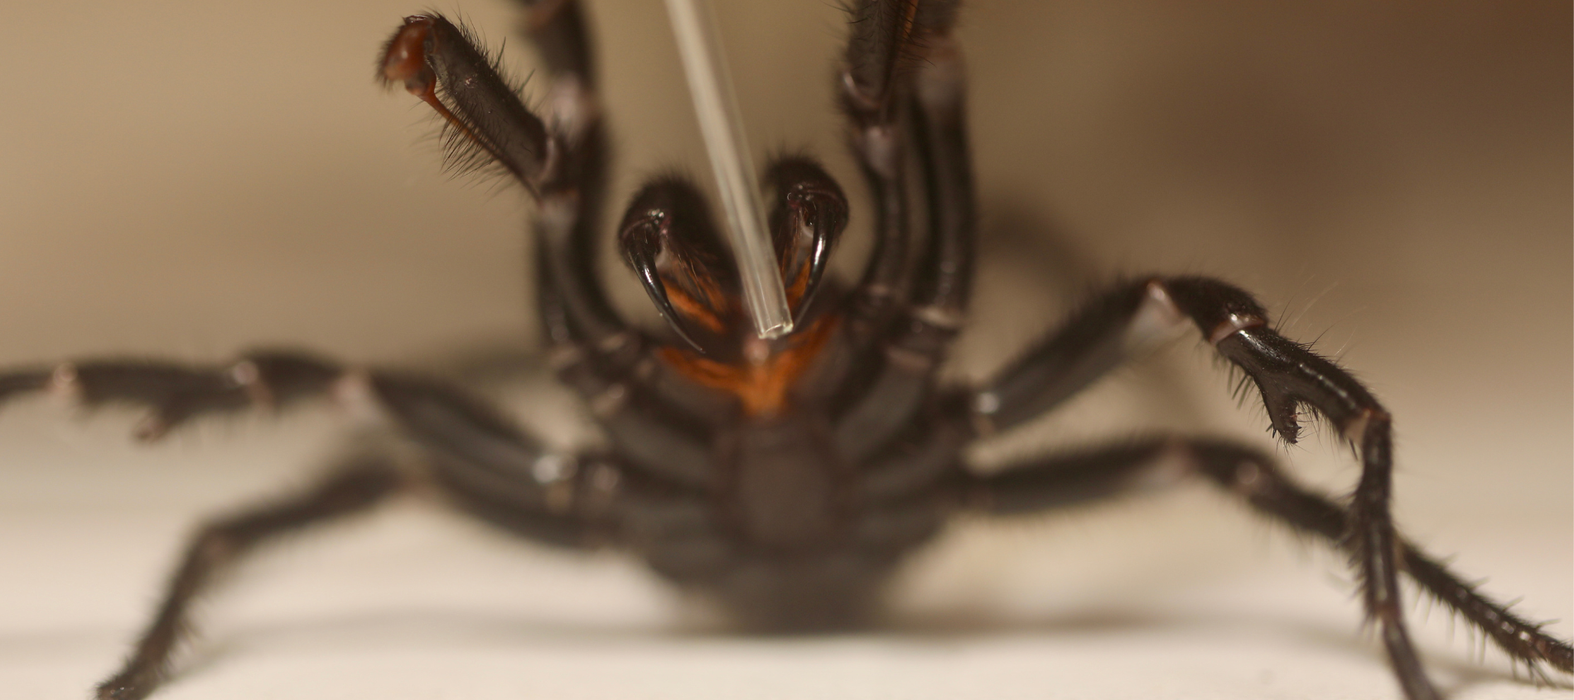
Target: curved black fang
(818, 260)
(646, 269)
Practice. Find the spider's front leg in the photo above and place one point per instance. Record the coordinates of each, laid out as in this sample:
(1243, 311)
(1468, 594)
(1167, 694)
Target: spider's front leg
(889, 41)
(559, 156)
(904, 90)
(441, 419)
(465, 451)
(1288, 375)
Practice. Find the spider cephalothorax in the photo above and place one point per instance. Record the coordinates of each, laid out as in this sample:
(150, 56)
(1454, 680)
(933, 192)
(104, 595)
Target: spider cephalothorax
(786, 478)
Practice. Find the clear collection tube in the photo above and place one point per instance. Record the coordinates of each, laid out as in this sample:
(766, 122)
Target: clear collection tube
(722, 127)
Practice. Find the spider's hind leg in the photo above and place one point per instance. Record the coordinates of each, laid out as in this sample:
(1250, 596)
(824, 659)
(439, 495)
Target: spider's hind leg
(575, 513)
(352, 486)
(1090, 476)
(1288, 376)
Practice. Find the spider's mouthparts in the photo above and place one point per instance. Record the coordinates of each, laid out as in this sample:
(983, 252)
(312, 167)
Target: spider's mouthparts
(806, 222)
(645, 267)
(669, 240)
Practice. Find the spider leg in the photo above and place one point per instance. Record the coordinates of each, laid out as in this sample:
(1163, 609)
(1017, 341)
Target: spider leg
(655, 417)
(352, 486)
(574, 309)
(561, 161)
(1101, 335)
(474, 452)
(874, 86)
(484, 465)
(1065, 480)
(924, 59)
(945, 273)
(478, 449)
(1287, 375)
(439, 417)
(597, 352)
(576, 511)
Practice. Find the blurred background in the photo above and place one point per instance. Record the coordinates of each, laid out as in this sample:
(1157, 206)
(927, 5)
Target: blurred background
(188, 179)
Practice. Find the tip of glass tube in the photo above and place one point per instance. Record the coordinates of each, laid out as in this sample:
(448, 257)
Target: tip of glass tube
(773, 331)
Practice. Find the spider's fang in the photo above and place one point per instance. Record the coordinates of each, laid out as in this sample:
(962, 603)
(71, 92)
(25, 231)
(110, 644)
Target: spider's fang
(651, 279)
(806, 222)
(668, 240)
(818, 260)
(641, 242)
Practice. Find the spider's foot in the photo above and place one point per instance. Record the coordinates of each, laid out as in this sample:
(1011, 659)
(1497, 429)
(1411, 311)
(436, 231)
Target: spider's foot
(130, 684)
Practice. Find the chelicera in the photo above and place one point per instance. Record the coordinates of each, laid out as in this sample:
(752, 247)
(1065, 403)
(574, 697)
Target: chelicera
(785, 478)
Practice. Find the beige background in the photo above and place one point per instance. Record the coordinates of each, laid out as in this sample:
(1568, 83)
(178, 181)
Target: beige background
(178, 179)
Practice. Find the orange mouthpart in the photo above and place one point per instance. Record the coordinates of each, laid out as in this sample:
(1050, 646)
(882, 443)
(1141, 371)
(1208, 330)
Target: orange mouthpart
(762, 386)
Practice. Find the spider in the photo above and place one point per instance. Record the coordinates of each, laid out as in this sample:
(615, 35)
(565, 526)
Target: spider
(851, 403)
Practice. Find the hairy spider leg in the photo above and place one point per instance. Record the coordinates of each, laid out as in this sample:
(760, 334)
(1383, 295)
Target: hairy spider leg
(920, 72)
(351, 486)
(870, 91)
(1287, 375)
(469, 454)
(650, 412)
(562, 166)
(439, 418)
(562, 163)
(1092, 475)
